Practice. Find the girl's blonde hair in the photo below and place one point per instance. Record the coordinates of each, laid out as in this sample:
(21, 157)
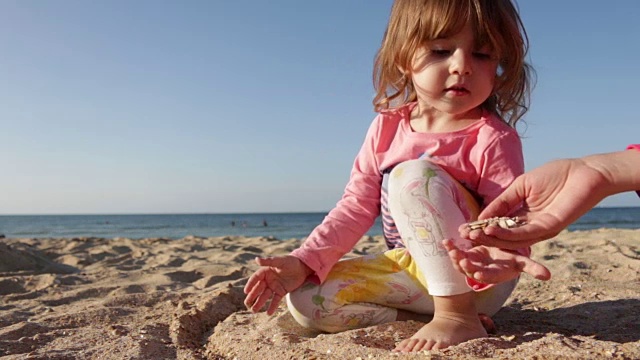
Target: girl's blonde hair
(494, 22)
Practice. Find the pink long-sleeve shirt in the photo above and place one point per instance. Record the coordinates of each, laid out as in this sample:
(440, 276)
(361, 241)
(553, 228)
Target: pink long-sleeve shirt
(485, 157)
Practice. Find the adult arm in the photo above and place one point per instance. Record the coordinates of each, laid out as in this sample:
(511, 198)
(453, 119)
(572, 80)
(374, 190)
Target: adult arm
(551, 197)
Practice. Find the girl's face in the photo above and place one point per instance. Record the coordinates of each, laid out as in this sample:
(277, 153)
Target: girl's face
(451, 75)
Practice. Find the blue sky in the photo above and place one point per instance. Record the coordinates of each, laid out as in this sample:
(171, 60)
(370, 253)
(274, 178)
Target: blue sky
(257, 106)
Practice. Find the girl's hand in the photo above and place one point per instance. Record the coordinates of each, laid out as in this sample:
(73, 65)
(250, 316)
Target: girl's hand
(276, 277)
(491, 265)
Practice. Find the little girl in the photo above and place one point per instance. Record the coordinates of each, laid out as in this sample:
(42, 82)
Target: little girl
(451, 82)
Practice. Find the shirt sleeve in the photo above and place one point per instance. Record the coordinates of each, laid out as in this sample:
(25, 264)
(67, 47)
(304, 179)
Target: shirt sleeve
(502, 162)
(353, 215)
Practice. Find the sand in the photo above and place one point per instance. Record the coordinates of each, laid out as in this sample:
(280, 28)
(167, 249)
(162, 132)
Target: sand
(92, 298)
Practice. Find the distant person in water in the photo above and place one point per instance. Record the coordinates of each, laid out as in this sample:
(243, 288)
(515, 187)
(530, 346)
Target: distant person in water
(264, 223)
(233, 223)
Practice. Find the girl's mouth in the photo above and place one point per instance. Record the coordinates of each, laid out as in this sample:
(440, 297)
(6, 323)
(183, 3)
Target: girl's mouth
(457, 90)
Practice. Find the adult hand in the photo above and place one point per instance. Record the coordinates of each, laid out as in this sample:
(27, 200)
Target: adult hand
(548, 199)
(276, 277)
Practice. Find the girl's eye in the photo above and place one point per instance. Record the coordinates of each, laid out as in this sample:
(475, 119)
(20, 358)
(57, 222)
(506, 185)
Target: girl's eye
(440, 52)
(482, 55)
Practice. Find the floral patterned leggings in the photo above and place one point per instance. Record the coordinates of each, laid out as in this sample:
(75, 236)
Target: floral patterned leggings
(428, 206)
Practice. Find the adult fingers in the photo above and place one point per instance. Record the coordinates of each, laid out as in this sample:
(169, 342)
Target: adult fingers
(514, 238)
(464, 231)
(506, 202)
(494, 230)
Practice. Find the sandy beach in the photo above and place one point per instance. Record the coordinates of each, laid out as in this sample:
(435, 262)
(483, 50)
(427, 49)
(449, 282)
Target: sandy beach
(93, 298)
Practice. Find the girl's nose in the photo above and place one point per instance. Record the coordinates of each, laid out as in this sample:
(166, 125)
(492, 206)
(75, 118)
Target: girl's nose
(461, 63)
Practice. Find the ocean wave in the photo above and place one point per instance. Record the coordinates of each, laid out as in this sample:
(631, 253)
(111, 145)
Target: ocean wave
(613, 222)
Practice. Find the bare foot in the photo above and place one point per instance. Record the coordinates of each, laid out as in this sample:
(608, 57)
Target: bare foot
(444, 330)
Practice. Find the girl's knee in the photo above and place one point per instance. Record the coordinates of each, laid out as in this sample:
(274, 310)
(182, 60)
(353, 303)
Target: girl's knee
(420, 186)
(416, 165)
(415, 176)
(299, 309)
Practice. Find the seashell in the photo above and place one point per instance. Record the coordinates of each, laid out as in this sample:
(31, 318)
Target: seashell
(503, 222)
(506, 223)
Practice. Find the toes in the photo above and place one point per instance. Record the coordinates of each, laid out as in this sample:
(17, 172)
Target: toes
(440, 346)
(414, 345)
(401, 345)
(488, 324)
(422, 344)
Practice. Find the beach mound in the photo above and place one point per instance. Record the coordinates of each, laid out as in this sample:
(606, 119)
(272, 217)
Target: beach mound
(21, 258)
(92, 298)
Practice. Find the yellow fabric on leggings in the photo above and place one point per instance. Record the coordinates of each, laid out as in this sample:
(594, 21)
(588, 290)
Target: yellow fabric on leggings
(368, 278)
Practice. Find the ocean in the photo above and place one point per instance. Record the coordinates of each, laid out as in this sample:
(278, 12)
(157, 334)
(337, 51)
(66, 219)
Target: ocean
(278, 225)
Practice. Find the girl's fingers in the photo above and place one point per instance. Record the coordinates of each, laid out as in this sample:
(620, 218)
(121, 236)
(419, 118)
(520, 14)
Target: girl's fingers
(275, 301)
(261, 300)
(263, 261)
(535, 269)
(448, 244)
(487, 276)
(470, 269)
(455, 255)
(253, 280)
(271, 261)
(252, 294)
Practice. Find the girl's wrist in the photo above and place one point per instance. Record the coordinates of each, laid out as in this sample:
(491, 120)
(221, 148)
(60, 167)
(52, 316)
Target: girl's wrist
(308, 271)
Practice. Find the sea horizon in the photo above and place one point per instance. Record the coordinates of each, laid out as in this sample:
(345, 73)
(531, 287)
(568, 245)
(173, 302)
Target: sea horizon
(280, 225)
(220, 213)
